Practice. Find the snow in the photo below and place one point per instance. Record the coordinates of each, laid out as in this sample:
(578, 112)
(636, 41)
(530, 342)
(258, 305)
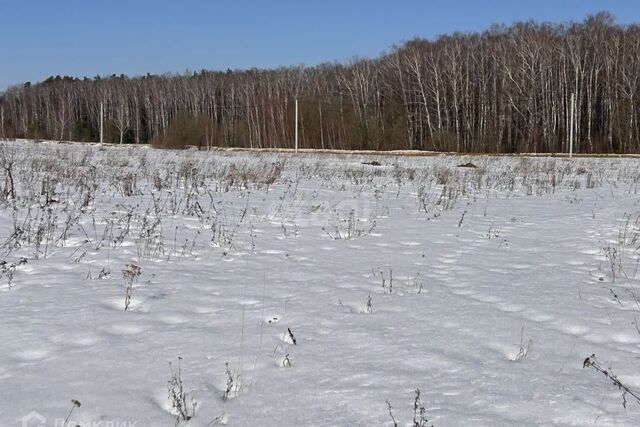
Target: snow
(498, 281)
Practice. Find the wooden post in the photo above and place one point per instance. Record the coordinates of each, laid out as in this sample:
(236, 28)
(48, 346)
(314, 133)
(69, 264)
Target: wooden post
(101, 122)
(296, 131)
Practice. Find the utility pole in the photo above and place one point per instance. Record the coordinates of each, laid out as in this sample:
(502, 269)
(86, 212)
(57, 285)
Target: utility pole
(101, 122)
(571, 125)
(296, 125)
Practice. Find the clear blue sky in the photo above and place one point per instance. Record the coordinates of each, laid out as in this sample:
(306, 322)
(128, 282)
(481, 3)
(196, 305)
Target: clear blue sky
(39, 38)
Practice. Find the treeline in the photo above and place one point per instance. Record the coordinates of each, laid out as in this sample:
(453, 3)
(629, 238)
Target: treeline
(507, 89)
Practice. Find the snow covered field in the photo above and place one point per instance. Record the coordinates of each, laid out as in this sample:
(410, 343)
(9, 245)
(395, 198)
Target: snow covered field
(485, 288)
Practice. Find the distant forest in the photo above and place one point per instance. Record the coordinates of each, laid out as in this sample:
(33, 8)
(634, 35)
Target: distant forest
(504, 90)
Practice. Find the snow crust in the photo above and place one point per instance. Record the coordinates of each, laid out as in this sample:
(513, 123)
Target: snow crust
(485, 287)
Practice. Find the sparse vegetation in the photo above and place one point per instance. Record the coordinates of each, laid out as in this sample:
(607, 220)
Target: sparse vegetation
(592, 362)
(130, 274)
(419, 413)
(258, 218)
(74, 404)
(182, 403)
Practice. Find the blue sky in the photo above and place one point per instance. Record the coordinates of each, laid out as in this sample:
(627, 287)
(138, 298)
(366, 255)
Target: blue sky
(39, 38)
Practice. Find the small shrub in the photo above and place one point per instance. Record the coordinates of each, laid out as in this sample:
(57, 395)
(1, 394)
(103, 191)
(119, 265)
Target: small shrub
(591, 362)
(186, 130)
(419, 413)
(230, 383)
(130, 274)
(524, 350)
(75, 404)
(183, 405)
